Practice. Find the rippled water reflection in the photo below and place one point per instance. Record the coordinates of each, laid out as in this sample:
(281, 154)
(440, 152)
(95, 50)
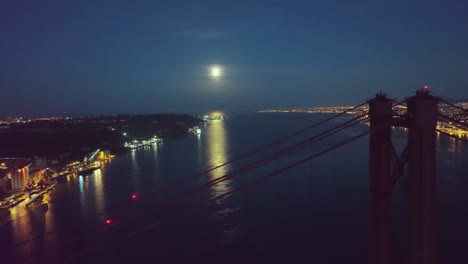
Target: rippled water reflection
(217, 151)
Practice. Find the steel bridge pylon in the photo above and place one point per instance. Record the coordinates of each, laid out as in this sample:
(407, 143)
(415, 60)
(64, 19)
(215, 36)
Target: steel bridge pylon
(385, 166)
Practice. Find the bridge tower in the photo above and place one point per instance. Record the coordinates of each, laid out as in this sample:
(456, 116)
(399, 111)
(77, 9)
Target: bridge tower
(420, 156)
(422, 117)
(380, 179)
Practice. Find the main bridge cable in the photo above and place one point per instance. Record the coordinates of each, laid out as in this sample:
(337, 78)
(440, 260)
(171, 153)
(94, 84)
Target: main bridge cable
(266, 177)
(457, 122)
(258, 163)
(250, 153)
(175, 216)
(311, 140)
(454, 105)
(402, 103)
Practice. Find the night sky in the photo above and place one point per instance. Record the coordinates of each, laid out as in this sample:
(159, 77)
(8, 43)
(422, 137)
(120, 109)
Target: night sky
(154, 56)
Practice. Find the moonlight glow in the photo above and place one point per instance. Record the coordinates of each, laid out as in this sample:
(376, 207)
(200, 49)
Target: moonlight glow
(215, 71)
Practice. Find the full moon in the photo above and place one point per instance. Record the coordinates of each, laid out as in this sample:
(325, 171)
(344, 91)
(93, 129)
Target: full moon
(215, 72)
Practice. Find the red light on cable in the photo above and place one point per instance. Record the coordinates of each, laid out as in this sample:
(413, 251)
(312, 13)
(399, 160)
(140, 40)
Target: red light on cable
(134, 196)
(108, 221)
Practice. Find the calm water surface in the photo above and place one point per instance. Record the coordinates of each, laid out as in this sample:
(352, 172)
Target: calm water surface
(316, 212)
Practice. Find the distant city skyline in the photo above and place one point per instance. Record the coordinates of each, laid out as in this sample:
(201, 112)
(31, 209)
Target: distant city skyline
(293, 108)
(121, 57)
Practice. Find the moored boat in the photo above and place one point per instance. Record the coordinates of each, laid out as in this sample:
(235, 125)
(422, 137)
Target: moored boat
(84, 171)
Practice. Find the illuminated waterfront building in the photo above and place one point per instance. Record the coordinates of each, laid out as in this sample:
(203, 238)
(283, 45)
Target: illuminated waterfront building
(15, 173)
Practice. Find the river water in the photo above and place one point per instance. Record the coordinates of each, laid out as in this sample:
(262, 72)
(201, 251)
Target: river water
(316, 212)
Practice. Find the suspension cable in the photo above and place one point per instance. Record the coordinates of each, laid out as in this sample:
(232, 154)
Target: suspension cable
(245, 187)
(457, 122)
(266, 177)
(171, 200)
(168, 201)
(275, 156)
(250, 153)
(454, 105)
(402, 103)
